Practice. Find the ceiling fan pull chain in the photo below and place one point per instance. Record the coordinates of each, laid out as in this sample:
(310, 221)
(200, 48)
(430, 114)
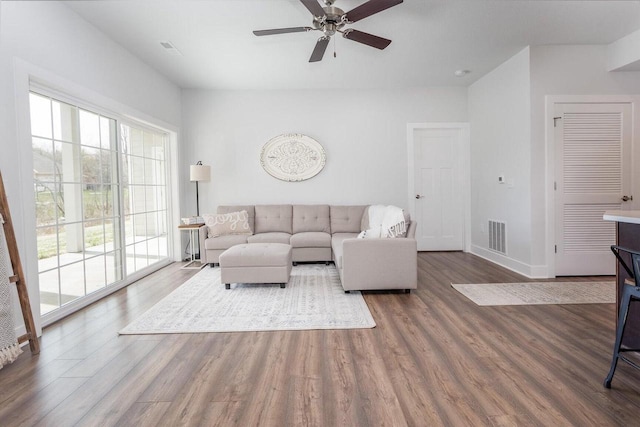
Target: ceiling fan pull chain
(334, 47)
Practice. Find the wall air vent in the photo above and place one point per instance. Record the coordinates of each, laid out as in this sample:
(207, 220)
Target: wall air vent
(498, 236)
(170, 48)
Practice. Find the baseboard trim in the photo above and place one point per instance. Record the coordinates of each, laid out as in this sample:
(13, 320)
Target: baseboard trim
(527, 270)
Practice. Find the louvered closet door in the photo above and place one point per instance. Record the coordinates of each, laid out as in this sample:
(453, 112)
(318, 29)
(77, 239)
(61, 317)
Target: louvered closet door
(593, 172)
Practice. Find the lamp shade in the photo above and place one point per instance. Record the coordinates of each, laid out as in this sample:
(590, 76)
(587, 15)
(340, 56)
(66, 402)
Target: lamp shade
(199, 172)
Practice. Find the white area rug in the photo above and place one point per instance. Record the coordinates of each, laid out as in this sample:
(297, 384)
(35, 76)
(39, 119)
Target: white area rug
(539, 293)
(313, 299)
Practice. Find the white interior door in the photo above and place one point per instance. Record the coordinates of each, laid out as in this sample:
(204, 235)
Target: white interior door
(593, 175)
(438, 195)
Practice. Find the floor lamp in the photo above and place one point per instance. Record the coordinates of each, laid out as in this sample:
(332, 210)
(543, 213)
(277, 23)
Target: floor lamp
(197, 173)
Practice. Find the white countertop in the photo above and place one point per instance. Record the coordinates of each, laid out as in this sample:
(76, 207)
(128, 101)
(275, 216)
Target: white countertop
(631, 217)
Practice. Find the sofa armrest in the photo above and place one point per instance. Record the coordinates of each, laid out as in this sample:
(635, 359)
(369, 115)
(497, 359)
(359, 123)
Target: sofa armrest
(203, 234)
(379, 264)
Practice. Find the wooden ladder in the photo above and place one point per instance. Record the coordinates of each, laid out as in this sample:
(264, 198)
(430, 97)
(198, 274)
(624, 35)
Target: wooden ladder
(18, 274)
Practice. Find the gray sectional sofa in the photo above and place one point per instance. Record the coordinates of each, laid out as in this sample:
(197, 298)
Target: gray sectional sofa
(324, 233)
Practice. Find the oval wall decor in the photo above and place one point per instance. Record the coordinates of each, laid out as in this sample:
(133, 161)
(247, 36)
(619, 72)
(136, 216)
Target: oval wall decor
(292, 157)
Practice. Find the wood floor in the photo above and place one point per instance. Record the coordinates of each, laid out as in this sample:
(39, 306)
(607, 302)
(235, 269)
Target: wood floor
(434, 358)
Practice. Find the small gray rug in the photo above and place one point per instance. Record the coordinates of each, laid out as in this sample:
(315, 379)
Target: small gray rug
(313, 299)
(539, 293)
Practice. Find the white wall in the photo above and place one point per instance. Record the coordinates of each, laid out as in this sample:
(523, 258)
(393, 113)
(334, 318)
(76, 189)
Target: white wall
(499, 114)
(624, 54)
(362, 131)
(564, 70)
(54, 43)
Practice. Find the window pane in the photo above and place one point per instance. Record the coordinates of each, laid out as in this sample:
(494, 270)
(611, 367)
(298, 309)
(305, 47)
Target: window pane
(71, 282)
(131, 258)
(69, 203)
(65, 122)
(137, 172)
(141, 255)
(150, 199)
(163, 248)
(128, 227)
(152, 224)
(140, 228)
(49, 291)
(94, 202)
(112, 239)
(136, 142)
(46, 203)
(158, 146)
(137, 198)
(107, 133)
(94, 240)
(126, 165)
(153, 250)
(149, 145)
(47, 238)
(109, 168)
(90, 167)
(71, 243)
(89, 129)
(113, 267)
(126, 200)
(95, 273)
(69, 155)
(44, 167)
(40, 115)
(111, 201)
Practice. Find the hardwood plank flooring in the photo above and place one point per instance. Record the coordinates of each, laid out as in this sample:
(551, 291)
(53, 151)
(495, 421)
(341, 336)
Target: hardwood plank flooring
(435, 358)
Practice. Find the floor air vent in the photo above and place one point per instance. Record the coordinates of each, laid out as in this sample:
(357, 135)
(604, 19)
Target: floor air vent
(498, 236)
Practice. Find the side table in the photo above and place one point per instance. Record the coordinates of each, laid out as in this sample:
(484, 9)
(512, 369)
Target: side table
(194, 230)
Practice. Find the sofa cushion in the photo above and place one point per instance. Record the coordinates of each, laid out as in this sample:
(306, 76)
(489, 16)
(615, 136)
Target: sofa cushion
(346, 219)
(225, 242)
(273, 218)
(311, 239)
(227, 223)
(250, 212)
(274, 237)
(311, 218)
(336, 245)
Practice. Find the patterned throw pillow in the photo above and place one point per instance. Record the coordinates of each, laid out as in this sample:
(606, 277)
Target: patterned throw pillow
(227, 224)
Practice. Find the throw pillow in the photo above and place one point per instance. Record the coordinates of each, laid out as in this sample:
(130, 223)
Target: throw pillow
(227, 224)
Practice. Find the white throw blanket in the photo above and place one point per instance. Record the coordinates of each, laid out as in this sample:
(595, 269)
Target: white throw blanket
(384, 222)
(9, 348)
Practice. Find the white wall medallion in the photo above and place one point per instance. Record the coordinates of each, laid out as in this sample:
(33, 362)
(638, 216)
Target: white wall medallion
(292, 157)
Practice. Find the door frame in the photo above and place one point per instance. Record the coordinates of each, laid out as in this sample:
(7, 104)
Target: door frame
(465, 172)
(550, 144)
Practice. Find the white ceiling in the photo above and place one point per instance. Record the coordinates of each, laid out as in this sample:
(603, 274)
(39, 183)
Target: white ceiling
(431, 39)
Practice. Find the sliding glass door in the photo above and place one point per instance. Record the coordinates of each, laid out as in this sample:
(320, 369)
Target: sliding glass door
(101, 199)
(144, 184)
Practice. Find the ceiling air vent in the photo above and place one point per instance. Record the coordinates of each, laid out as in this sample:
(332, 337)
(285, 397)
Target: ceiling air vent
(170, 48)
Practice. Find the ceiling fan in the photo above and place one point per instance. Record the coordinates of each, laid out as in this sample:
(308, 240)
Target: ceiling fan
(330, 20)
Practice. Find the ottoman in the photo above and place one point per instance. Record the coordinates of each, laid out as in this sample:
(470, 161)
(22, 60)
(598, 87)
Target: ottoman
(256, 263)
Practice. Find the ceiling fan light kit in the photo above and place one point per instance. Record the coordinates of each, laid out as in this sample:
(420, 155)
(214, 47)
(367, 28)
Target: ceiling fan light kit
(331, 20)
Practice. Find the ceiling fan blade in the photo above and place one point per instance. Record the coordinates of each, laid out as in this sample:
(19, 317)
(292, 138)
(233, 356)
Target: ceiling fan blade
(369, 8)
(366, 38)
(314, 7)
(318, 51)
(282, 31)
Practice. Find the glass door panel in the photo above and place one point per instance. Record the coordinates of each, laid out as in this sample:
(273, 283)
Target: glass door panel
(100, 189)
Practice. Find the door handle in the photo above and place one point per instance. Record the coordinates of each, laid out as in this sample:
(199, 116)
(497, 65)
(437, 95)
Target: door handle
(419, 196)
(627, 198)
